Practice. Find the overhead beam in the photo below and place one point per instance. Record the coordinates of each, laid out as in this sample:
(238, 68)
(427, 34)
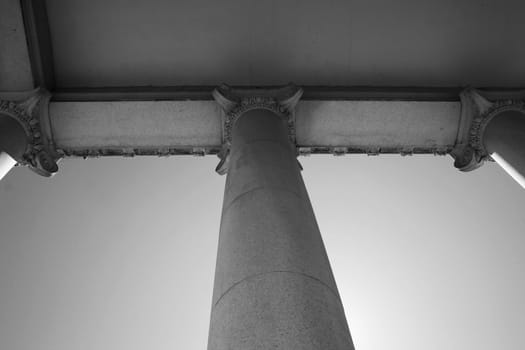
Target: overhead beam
(101, 128)
(162, 121)
(39, 43)
(185, 120)
(324, 93)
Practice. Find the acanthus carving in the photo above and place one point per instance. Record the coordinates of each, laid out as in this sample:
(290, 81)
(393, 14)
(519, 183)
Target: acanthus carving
(476, 113)
(39, 155)
(236, 102)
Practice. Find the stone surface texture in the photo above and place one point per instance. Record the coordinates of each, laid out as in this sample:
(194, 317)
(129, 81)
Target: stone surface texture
(99, 128)
(274, 287)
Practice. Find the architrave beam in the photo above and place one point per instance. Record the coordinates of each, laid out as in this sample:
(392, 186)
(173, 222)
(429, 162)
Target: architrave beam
(322, 93)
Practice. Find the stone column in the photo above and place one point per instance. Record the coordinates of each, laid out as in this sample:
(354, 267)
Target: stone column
(491, 130)
(13, 143)
(504, 140)
(274, 287)
(25, 134)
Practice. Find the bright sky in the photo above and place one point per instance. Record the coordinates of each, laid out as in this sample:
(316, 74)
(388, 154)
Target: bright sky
(120, 253)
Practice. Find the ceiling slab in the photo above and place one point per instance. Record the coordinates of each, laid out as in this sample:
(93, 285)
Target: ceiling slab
(105, 43)
(15, 66)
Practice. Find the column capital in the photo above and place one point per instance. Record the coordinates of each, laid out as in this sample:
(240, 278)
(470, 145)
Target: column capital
(234, 102)
(31, 113)
(476, 112)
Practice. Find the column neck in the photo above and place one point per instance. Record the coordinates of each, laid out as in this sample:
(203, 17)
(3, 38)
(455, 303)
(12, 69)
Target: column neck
(238, 102)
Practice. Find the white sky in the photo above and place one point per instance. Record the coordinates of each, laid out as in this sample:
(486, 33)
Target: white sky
(120, 253)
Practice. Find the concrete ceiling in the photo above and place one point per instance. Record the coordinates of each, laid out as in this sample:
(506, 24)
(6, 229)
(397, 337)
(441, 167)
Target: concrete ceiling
(15, 67)
(100, 43)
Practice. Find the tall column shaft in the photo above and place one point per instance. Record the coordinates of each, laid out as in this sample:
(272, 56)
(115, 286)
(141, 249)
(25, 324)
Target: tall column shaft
(13, 143)
(13, 138)
(504, 139)
(6, 164)
(274, 287)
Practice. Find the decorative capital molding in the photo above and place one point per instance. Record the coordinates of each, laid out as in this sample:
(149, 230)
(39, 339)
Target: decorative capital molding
(476, 113)
(32, 114)
(235, 102)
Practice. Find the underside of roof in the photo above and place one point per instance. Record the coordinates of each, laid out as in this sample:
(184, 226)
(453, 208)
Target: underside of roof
(136, 76)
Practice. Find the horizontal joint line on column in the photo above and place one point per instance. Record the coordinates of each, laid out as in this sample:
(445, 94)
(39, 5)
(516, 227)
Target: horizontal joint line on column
(278, 271)
(226, 207)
